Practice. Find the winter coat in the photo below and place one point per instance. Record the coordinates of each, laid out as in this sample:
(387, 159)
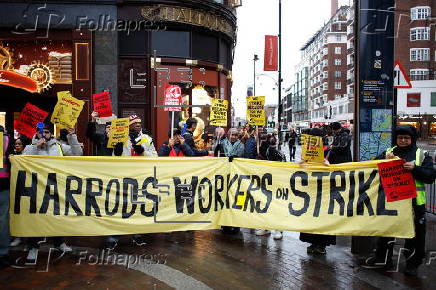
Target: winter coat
(341, 149)
(292, 138)
(273, 154)
(131, 149)
(165, 150)
(100, 140)
(233, 150)
(250, 148)
(189, 140)
(53, 147)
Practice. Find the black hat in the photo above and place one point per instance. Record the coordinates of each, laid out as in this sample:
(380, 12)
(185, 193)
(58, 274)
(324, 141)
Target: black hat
(406, 130)
(316, 132)
(335, 126)
(190, 122)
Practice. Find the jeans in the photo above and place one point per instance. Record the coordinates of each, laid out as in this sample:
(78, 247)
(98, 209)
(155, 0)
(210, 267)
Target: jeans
(4, 223)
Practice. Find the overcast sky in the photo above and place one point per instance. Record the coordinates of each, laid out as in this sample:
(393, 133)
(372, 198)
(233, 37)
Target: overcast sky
(257, 18)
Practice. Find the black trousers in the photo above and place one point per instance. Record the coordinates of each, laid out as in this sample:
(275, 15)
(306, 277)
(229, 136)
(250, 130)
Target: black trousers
(33, 242)
(414, 249)
(292, 149)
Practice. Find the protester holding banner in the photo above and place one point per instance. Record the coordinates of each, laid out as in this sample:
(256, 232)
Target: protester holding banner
(340, 149)
(420, 164)
(139, 143)
(318, 243)
(4, 199)
(232, 146)
(100, 139)
(176, 146)
(191, 125)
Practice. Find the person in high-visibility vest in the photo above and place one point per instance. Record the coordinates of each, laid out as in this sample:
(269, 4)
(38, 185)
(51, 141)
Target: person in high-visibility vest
(420, 164)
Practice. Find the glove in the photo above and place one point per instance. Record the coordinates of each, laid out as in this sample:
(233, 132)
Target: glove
(118, 150)
(138, 149)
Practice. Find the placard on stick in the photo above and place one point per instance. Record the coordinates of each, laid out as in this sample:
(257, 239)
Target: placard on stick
(312, 148)
(397, 182)
(67, 110)
(102, 104)
(218, 112)
(119, 132)
(256, 111)
(28, 118)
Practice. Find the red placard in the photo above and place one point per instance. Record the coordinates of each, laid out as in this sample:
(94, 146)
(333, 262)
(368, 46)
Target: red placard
(397, 182)
(29, 117)
(271, 60)
(173, 97)
(102, 104)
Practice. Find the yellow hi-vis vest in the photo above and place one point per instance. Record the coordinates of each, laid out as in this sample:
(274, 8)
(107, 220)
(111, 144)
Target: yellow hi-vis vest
(420, 186)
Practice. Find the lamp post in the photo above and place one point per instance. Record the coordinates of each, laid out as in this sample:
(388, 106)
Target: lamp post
(256, 58)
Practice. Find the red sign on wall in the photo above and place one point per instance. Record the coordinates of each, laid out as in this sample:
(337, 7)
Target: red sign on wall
(414, 100)
(173, 97)
(271, 53)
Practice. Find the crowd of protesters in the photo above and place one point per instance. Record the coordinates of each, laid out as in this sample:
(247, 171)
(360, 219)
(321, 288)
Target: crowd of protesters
(247, 142)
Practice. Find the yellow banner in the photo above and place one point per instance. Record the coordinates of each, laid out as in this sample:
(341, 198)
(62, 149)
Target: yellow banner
(67, 110)
(256, 111)
(88, 196)
(119, 132)
(312, 148)
(218, 112)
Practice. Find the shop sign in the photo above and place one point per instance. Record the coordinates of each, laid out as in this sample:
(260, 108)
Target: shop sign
(42, 75)
(189, 16)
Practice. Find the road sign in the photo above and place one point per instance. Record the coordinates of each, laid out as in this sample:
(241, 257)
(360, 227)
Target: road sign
(401, 79)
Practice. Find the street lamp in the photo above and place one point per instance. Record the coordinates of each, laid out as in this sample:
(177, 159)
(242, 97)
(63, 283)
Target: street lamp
(256, 58)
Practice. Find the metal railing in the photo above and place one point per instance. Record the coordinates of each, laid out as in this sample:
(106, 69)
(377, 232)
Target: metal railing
(431, 198)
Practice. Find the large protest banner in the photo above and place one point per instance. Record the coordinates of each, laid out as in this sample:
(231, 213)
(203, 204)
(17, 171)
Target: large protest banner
(256, 111)
(109, 195)
(218, 112)
(67, 110)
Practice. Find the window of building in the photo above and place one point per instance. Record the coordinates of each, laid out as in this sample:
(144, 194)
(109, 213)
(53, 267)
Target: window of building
(338, 50)
(419, 74)
(419, 54)
(325, 86)
(338, 85)
(338, 74)
(338, 37)
(414, 100)
(341, 109)
(433, 99)
(337, 96)
(338, 61)
(419, 12)
(420, 33)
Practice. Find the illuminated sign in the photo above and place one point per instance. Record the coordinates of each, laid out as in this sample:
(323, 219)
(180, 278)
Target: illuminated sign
(42, 75)
(17, 80)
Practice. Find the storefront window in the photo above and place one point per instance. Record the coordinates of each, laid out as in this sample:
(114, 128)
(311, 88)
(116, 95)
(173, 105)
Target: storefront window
(432, 129)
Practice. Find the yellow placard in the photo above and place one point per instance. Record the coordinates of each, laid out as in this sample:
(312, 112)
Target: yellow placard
(67, 110)
(1, 150)
(119, 132)
(92, 196)
(256, 111)
(312, 148)
(218, 112)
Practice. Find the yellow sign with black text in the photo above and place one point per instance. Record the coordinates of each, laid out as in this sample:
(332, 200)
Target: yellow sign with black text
(67, 110)
(119, 132)
(256, 111)
(312, 148)
(92, 196)
(218, 112)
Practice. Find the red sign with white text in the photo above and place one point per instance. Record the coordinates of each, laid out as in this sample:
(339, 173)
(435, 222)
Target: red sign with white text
(102, 104)
(29, 117)
(271, 53)
(173, 97)
(397, 182)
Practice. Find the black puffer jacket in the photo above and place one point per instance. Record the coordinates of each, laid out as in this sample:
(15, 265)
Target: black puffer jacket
(341, 147)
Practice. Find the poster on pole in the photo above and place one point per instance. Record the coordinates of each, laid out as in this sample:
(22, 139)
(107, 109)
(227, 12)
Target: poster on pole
(119, 132)
(271, 59)
(66, 111)
(173, 97)
(256, 111)
(218, 112)
(312, 148)
(102, 104)
(398, 183)
(28, 118)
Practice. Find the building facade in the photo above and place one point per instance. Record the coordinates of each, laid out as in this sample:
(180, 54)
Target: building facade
(134, 49)
(415, 48)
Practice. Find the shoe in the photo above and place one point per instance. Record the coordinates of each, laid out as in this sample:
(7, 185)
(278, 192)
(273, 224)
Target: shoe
(15, 242)
(262, 232)
(110, 245)
(374, 263)
(311, 249)
(32, 255)
(138, 240)
(64, 248)
(320, 250)
(278, 235)
(4, 262)
(411, 271)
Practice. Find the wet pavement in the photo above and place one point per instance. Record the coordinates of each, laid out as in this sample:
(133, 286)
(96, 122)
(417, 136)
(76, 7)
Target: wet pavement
(210, 259)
